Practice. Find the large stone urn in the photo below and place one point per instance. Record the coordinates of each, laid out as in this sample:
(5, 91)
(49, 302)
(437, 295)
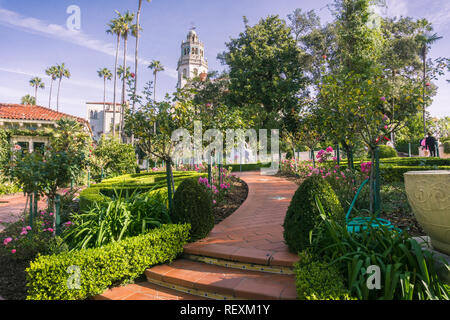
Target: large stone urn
(429, 196)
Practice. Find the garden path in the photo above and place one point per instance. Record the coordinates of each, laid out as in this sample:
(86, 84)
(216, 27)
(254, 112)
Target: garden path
(12, 207)
(244, 256)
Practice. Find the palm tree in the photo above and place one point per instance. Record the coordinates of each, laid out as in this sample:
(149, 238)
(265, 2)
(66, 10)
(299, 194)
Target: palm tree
(61, 72)
(28, 100)
(426, 39)
(137, 32)
(52, 73)
(115, 29)
(106, 74)
(156, 66)
(127, 27)
(121, 71)
(37, 83)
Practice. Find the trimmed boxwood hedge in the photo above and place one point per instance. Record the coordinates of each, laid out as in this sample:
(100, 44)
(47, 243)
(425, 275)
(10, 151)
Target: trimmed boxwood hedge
(303, 215)
(247, 167)
(447, 147)
(397, 161)
(315, 280)
(130, 183)
(387, 152)
(192, 203)
(101, 268)
(395, 173)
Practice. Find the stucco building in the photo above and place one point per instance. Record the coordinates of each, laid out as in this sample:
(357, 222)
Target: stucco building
(28, 124)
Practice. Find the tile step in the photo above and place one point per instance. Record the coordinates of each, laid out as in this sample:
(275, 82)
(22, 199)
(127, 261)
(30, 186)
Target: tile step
(244, 255)
(145, 291)
(217, 282)
(240, 265)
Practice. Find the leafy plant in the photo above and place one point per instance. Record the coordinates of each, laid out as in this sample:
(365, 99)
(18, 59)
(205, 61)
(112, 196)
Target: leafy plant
(113, 157)
(407, 271)
(124, 216)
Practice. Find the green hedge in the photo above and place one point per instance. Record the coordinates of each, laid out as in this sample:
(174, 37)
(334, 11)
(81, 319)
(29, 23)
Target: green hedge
(447, 147)
(403, 146)
(247, 167)
(316, 280)
(414, 161)
(130, 183)
(387, 152)
(395, 173)
(303, 215)
(192, 203)
(101, 268)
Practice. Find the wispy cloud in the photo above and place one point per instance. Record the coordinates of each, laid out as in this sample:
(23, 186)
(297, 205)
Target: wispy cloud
(440, 17)
(80, 83)
(393, 8)
(35, 26)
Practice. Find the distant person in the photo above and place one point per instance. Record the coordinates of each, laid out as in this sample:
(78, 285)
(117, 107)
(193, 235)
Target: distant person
(430, 143)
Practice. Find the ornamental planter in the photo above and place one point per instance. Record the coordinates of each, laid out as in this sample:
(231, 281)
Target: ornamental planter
(429, 196)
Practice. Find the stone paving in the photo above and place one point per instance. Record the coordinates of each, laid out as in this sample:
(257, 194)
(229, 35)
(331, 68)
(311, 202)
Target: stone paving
(253, 234)
(12, 207)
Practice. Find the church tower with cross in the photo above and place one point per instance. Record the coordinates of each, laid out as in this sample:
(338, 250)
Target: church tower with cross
(192, 62)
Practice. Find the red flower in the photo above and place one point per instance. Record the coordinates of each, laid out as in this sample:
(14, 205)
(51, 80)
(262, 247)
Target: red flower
(324, 57)
(133, 75)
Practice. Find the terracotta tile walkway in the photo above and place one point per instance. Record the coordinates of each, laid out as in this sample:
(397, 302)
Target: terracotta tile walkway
(12, 207)
(253, 234)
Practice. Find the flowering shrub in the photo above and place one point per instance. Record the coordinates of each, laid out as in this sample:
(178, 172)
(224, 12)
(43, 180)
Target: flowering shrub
(366, 167)
(24, 242)
(217, 188)
(324, 155)
(344, 182)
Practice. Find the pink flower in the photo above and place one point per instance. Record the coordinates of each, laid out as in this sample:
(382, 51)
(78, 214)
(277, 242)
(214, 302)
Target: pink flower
(383, 99)
(214, 202)
(24, 233)
(50, 229)
(330, 149)
(7, 240)
(28, 228)
(13, 251)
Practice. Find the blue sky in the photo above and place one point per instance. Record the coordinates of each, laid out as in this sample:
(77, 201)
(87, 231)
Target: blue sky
(34, 36)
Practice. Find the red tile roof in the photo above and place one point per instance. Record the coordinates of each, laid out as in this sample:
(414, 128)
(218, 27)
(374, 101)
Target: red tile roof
(25, 112)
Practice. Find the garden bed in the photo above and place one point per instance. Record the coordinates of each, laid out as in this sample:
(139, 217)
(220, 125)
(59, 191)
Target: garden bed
(232, 200)
(395, 206)
(13, 278)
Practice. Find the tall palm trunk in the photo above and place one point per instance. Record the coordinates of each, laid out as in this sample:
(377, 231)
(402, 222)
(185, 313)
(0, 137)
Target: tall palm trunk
(50, 96)
(35, 94)
(57, 95)
(154, 99)
(136, 60)
(125, 46)
(424, 86)
(115, 85)
(154, 90)
(104, 105)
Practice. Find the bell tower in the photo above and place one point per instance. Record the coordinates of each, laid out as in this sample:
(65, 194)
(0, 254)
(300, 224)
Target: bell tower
(192, 61)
